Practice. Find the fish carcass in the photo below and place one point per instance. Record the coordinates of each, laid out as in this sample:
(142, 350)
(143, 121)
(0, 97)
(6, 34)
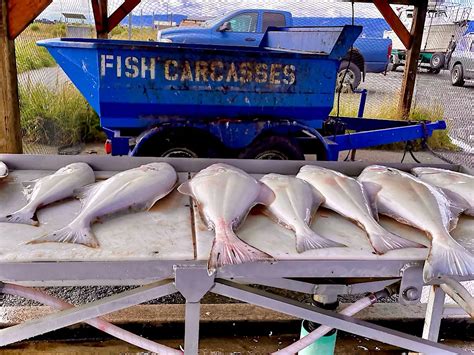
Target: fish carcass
(225, 195)
(457, 186)
(346, 196)
(3, 170)
(136, 189)
(295, 203)
(411, 201)
(49, 189)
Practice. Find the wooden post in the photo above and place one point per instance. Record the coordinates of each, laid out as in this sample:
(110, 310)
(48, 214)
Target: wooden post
(413, 53)
(99, 8)
(10, 130)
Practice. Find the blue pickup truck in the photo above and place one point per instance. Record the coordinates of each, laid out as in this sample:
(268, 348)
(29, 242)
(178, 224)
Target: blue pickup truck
(247, 27)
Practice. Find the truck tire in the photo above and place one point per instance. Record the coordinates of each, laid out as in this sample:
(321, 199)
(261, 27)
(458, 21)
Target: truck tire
(457, 75)
(437, 61)
(351, 78)
(273, 148)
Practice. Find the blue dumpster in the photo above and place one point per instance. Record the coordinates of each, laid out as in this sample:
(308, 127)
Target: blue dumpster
(151, 96)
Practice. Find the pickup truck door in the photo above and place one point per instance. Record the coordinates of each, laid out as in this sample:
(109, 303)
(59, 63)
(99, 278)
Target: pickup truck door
(469, 67)
(242, 32)
(248, 28)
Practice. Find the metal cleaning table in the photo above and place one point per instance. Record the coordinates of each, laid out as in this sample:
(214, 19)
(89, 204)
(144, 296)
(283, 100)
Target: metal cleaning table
(165, 250)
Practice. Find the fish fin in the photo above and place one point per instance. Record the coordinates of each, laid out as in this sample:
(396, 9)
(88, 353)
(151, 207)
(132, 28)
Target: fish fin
(185, 189)
(68, 234)
(228, 249)
(371, 190)
(457, 203)
(308, 239)
(82, 193)
(266, 195)
(29, 183)
(448, 259)
(384, 241)
(28, 187)
(21, 216)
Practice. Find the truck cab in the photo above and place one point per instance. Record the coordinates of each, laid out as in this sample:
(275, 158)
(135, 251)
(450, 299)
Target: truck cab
(247, 28)
(241, 27)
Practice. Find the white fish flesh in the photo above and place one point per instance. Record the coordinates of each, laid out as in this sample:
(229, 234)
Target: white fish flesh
(132, 190)
(457, 186)
(3, 170)
(49, 189)
(411, 201)
(225, 195)
(295, 203)
(346, 196)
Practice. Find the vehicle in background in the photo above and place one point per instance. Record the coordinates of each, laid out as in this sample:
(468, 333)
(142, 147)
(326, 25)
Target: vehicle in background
(461, 64)
(445, 23)
(247, 27)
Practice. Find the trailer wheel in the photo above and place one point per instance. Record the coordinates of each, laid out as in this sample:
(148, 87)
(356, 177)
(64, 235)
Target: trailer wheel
(180, 145)
(457, 75)
(437, 61)
(352, 77)
(273, 148)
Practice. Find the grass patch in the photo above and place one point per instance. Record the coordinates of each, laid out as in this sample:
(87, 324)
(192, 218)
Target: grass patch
(138, 34)
(388, 109)
(29, 56)
(57, 117)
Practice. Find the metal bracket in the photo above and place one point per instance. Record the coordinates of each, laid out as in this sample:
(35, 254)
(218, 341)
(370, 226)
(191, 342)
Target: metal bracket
(193, 281)
(372, 286)
(411, 284)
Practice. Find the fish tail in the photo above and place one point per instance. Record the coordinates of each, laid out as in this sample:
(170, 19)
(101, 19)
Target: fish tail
(228, 249)
(21, 216)
(307, 239)
(448, 258)
(382, 241)
(69, 234)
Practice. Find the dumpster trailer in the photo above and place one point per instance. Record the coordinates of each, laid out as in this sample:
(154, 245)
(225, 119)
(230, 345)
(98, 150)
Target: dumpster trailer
(272, 101)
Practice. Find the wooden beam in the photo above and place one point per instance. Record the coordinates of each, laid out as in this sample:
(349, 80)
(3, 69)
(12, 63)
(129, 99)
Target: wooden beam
(392, 19)
(413, 54)
(121, 12)
(99, 7)
(21, 13)
(10, 130)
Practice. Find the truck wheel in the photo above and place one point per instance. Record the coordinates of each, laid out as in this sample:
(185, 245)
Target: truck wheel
(457, 75)
(437, 61)
(352, 77)
(273, 148)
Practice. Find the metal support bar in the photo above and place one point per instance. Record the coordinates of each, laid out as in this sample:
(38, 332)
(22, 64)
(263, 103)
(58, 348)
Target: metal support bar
(191, 328)
(84, 312)
(434, 313)
(335, 320)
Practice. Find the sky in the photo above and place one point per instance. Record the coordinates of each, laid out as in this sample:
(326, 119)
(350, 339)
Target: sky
(210, 8)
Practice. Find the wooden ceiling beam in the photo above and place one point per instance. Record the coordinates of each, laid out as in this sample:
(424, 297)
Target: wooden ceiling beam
(392, 19)
(21, 13)
(121, 12)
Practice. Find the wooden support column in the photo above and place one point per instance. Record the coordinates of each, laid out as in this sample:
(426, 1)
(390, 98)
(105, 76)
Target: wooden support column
(99, 8)
(10, 130)
(413, 53)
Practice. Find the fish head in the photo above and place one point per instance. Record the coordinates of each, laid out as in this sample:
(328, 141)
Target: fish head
(3, 170)
(154, 167)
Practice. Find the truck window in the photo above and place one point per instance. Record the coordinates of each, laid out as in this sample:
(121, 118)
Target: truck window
(272, 19)
(245, 22)
(472, 46)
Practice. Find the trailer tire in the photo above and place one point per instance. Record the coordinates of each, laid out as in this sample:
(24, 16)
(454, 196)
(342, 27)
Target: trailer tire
(352, 77)
(437, 61)
(273, 148)
(180, 145)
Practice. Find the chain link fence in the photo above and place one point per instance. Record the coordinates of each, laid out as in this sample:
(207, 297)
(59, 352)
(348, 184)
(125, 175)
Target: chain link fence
(55, 117)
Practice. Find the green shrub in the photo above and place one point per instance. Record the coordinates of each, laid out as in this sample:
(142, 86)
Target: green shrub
(34, 28)
(29, 56)
(57, 117)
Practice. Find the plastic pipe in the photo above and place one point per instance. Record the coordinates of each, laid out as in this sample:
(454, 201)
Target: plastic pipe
(323, 329)
(459, 294)
(117, 332)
